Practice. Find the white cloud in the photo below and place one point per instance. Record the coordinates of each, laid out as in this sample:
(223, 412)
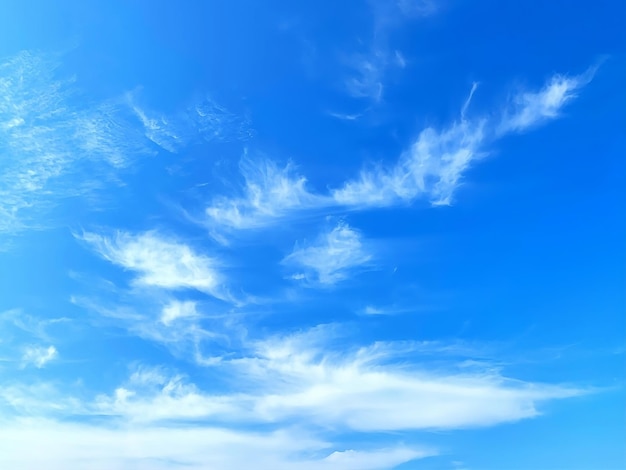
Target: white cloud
(156, 398)
(178, 310)
(363, 390)
(56, 144)
(310, 378)
(434, 165)
(39, 356)
(333, 255)
(372, 310)
(180, 326)
(161, 418)
(37, 399)
(75, 445)
(370, 69)
(305, 379)
(270, 192)
(216, 123)
(386, 458)
(431, 168)
(161, 130)
(205, 121)
(160, 262)
(48, 136)
(530, 108)
(34, 327)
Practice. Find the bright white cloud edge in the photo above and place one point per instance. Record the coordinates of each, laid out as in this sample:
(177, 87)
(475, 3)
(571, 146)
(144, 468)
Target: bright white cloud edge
(431, 168)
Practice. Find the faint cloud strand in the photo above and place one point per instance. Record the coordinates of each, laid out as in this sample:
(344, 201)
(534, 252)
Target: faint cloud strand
(431, 168)
(46, 139)
(370, 68)
(39, 356)
(159, 262)
(331, 257)
(54, 144)
(270, 192)
(528, 109)
(304, 377)
(206, 121)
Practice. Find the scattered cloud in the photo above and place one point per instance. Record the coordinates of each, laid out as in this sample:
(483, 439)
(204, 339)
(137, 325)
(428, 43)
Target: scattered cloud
(160, 262)
(380, 310)
(39, 356)
(431, 168)
(294, 385)
(242, 391)
(176, 310)
(311, 379)
(32, 326)
(370, 69)
(36, 399)
(364, 390)
(179, 325)
(530, 108)
(71, 445)
(270, 192)
(331, 258)
(57, 145)
(368, 75)
(314, 379)
(434, 164)
(214, 122)
(47, 135)
(205, 121)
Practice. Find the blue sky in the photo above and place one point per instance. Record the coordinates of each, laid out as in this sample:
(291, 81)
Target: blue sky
(312, 235)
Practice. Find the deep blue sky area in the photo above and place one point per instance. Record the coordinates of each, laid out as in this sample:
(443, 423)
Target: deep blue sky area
(357, 235)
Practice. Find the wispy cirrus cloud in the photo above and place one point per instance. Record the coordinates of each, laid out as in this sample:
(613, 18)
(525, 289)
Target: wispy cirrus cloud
(331, 257)
(318, 379)
(177, 310)
(183, 327)
(431, 168)
(71, 445)
(269, 193)
(27, 340)
(355, 388)
(370, 68)
(48, 135)
(531, 108)
(55, 144)
(205, 121)
(297, 385)
(39, 356)
(160, 262)
(310, 379)
(434, 164)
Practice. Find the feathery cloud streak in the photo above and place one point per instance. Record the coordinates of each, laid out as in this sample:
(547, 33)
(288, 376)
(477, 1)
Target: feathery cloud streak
(53, 141)
(160, 262)
(331, 257)
(431, 168)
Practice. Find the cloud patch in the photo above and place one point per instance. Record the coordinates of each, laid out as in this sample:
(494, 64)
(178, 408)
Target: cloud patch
(160, 262)
(270, 192)
(332, 257)
(39, 356)
(530, 108)
(431, 168)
